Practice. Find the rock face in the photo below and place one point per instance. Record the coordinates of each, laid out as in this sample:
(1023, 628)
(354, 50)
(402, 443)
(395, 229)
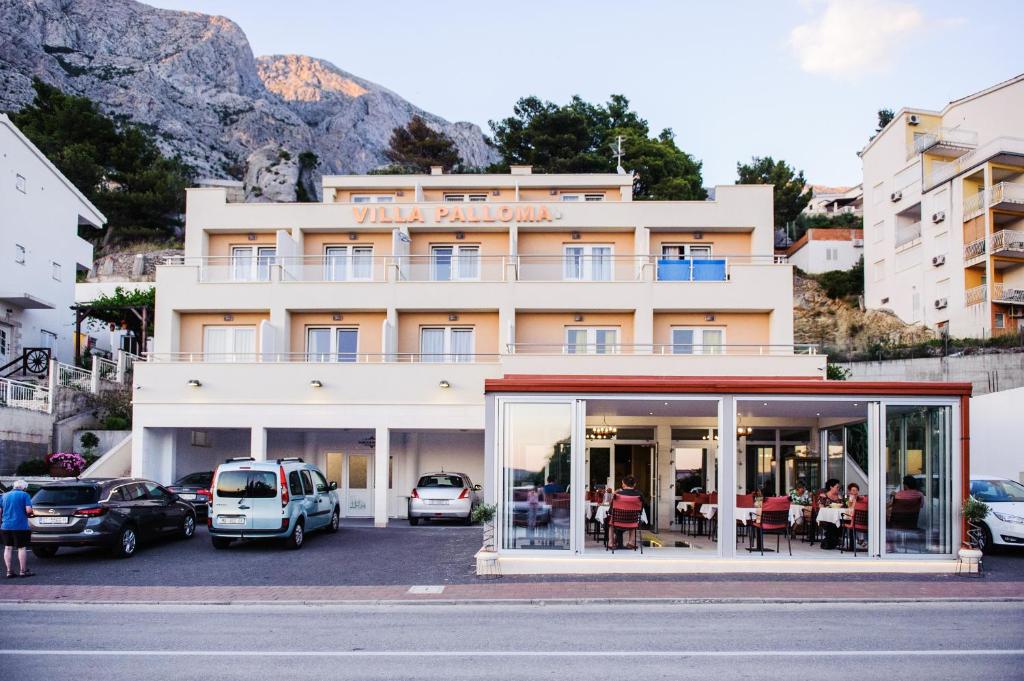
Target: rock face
(192, 79)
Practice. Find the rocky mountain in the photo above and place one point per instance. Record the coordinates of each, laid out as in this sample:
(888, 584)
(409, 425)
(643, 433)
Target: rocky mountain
(193, 80)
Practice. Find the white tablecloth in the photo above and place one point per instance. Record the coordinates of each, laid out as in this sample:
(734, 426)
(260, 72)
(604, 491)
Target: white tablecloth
(684, 506)
(796, 513)
(743, 513)
(602, 513)
(709, 510)
(831, 515)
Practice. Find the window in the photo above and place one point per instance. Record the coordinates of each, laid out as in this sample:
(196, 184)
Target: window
(155, 492)
(1000, 323)
(5, 343)
(19, 254)
(831, 254)
(591, 340)
(373, 198)
(588, 262)
(465, 198)
(48, 339)
(20, 184)
(446, 344)
(307, 482)
(583, 197)
(697, 340)
(879, 231)
(348, 263)
(55, 270)
(454, 263)
(229, 343)
(321, 482)
(441, 480)
(684, 251)
(879, 270)
(331, 344)
(247, 485)
(252, 263)
(294, 484)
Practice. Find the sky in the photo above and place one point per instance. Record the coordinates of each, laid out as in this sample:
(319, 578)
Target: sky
(800, 80)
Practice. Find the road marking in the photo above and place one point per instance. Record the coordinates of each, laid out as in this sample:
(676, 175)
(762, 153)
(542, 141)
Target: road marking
(945, 652)
(426, 589)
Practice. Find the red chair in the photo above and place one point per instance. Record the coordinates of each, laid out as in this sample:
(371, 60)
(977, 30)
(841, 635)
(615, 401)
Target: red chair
(743, 501)
(903, 516)
(624, 514)
(774, 520)
(857, 523)
(696, 517)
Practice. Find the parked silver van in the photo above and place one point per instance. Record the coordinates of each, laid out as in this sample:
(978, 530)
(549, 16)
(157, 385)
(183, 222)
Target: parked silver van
(276, 499)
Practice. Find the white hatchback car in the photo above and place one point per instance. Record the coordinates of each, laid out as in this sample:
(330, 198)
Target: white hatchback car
(443, 496)
(1004, 524)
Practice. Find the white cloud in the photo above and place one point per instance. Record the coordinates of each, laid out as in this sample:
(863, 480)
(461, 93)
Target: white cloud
(854, 37)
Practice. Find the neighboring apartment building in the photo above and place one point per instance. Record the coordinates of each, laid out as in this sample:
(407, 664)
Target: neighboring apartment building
(397, 328)
(835, 200)
(944, 214)
(824, 249)
(40, 211)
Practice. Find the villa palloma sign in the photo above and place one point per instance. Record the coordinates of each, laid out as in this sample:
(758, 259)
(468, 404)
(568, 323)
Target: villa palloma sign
(453, 213)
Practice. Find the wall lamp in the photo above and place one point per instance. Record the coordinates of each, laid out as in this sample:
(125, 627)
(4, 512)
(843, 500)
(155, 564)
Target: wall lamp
(316, 383)
(194, 382)
(444, 385)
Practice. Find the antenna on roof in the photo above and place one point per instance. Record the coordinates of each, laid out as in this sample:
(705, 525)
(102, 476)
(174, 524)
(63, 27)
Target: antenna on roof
(618, 153)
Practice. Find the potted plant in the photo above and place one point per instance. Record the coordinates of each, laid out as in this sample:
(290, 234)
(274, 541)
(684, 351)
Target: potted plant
(484, 513)
(64, 464)
(974, 513)
(89, 442)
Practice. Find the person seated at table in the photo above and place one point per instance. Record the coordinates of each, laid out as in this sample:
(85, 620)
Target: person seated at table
(553, 487)
(852, 496)
(830, 495)
(910, 490)
(800, 495)
(628, 489)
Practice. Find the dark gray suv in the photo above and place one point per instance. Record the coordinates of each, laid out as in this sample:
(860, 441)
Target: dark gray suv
(117, 513)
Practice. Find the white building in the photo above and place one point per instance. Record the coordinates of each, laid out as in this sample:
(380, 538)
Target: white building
(834, 201)
(944, 214)
(823, 249)
(40, 250)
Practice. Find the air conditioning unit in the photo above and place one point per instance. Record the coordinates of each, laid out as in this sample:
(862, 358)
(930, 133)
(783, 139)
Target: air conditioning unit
(896, 196)
(1017, 312)
(912, 119)
(941, 303)
(939, 216)
(939, 260)
(858, 243)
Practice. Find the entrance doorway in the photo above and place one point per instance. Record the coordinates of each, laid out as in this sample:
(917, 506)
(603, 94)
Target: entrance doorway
(353, 473)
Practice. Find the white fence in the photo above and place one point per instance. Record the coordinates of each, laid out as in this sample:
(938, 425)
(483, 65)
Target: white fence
(73, 377)
(24, 395)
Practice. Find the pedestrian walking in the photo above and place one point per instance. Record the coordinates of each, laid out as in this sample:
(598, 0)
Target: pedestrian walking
(15, 508)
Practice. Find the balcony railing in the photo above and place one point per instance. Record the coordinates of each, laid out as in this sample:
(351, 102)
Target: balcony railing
(611, 348)
(907, 233)
(318, 357)
(19, 395)
(472, 268)
(975, 249)
(1007, 294)
(974, 204)
(976, 295)
(1006, 192)
(1007, 241)
(947, 137)
(73, 377)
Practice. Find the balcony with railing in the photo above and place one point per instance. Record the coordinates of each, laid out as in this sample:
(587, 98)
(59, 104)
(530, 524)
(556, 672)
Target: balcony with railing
(975, 251)
(22, 395)
(945, 141)
(1008, 295)
(661, 349)
(976, 295)
(1006, 149)
(1007, 242)
(1007, 196)
(974, 204)
(319, 358)
(908, 233)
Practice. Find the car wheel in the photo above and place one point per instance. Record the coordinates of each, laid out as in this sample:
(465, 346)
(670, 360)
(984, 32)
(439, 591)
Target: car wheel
(987, 545)
(220, 542)
(414, 521)
(188, 527)
(335, 521)
(44, 551)
(296, 538)
(127, 542)
(468, 520)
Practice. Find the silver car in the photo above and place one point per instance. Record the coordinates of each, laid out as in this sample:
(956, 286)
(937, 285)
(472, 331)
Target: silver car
(444, 495)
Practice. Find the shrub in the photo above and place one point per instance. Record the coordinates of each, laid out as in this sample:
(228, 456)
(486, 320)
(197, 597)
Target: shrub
(116, 423)
(89, 440)
(32, 467)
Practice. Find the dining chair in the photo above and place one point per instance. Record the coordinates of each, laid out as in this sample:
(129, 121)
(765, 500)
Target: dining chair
(857, 523)
(625, 514)
(774, 520)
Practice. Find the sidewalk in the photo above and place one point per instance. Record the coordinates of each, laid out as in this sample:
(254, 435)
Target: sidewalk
(497, 590)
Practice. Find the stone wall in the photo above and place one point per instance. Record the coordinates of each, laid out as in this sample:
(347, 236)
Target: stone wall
(988, 373)
(24, 435)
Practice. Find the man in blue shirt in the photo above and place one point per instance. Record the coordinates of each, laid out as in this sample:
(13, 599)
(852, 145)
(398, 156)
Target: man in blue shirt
(16, 506)
(553, 487)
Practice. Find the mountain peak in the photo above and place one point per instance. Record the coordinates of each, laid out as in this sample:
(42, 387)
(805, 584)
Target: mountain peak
(298, 78)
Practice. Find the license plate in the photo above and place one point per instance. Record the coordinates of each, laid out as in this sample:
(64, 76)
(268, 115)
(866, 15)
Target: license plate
(189, 497)
(230, 520)
(437, 502)
(58, 520)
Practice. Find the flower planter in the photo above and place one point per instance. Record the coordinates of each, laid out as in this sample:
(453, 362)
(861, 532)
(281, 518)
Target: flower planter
(60, 472)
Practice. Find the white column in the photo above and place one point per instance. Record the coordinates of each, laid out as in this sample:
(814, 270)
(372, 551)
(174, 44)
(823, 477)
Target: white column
(382, 453)
(666, 476)
(258, 443)
(643, 328)
(727, 478)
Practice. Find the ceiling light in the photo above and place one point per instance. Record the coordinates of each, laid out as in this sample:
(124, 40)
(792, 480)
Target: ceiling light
(194, 382)
(316, 384)
(444, 385)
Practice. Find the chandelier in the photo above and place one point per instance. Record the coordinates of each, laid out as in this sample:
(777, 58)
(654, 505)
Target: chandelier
(602, 432)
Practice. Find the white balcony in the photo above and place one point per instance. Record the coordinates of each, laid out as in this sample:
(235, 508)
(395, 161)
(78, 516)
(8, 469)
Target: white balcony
(975, 251)
(1007, 242)
(1000, 148)
(1007, 196)
(1007, 294)
(907, 233)
(945, 141)
(974, 204)
(976, 295)
(661, 350)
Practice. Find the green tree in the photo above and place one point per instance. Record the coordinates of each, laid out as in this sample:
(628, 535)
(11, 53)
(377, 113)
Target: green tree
(416, 147)
(790, 197)
(578, 137)
(116, 165)
(885, 116)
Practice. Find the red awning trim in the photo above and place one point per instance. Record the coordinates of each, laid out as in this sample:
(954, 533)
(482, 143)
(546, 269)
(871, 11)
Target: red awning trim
(744, 385)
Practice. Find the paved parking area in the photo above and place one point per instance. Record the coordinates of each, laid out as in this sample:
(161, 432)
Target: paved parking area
(361, 555)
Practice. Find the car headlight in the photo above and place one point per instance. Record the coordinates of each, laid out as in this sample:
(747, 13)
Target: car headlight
(1007, 518)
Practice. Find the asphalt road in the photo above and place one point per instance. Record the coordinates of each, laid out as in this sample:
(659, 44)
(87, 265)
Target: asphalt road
(360, 556)
(867, 641)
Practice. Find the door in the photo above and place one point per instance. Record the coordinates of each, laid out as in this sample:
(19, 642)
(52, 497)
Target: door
(324, 506)
(229, 343)
(142, 510)
(355, 489)
(301, 491)
(6, 339)
(348, 263)
(167, 516)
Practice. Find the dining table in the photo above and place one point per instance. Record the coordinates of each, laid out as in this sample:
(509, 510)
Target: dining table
(832, 515)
